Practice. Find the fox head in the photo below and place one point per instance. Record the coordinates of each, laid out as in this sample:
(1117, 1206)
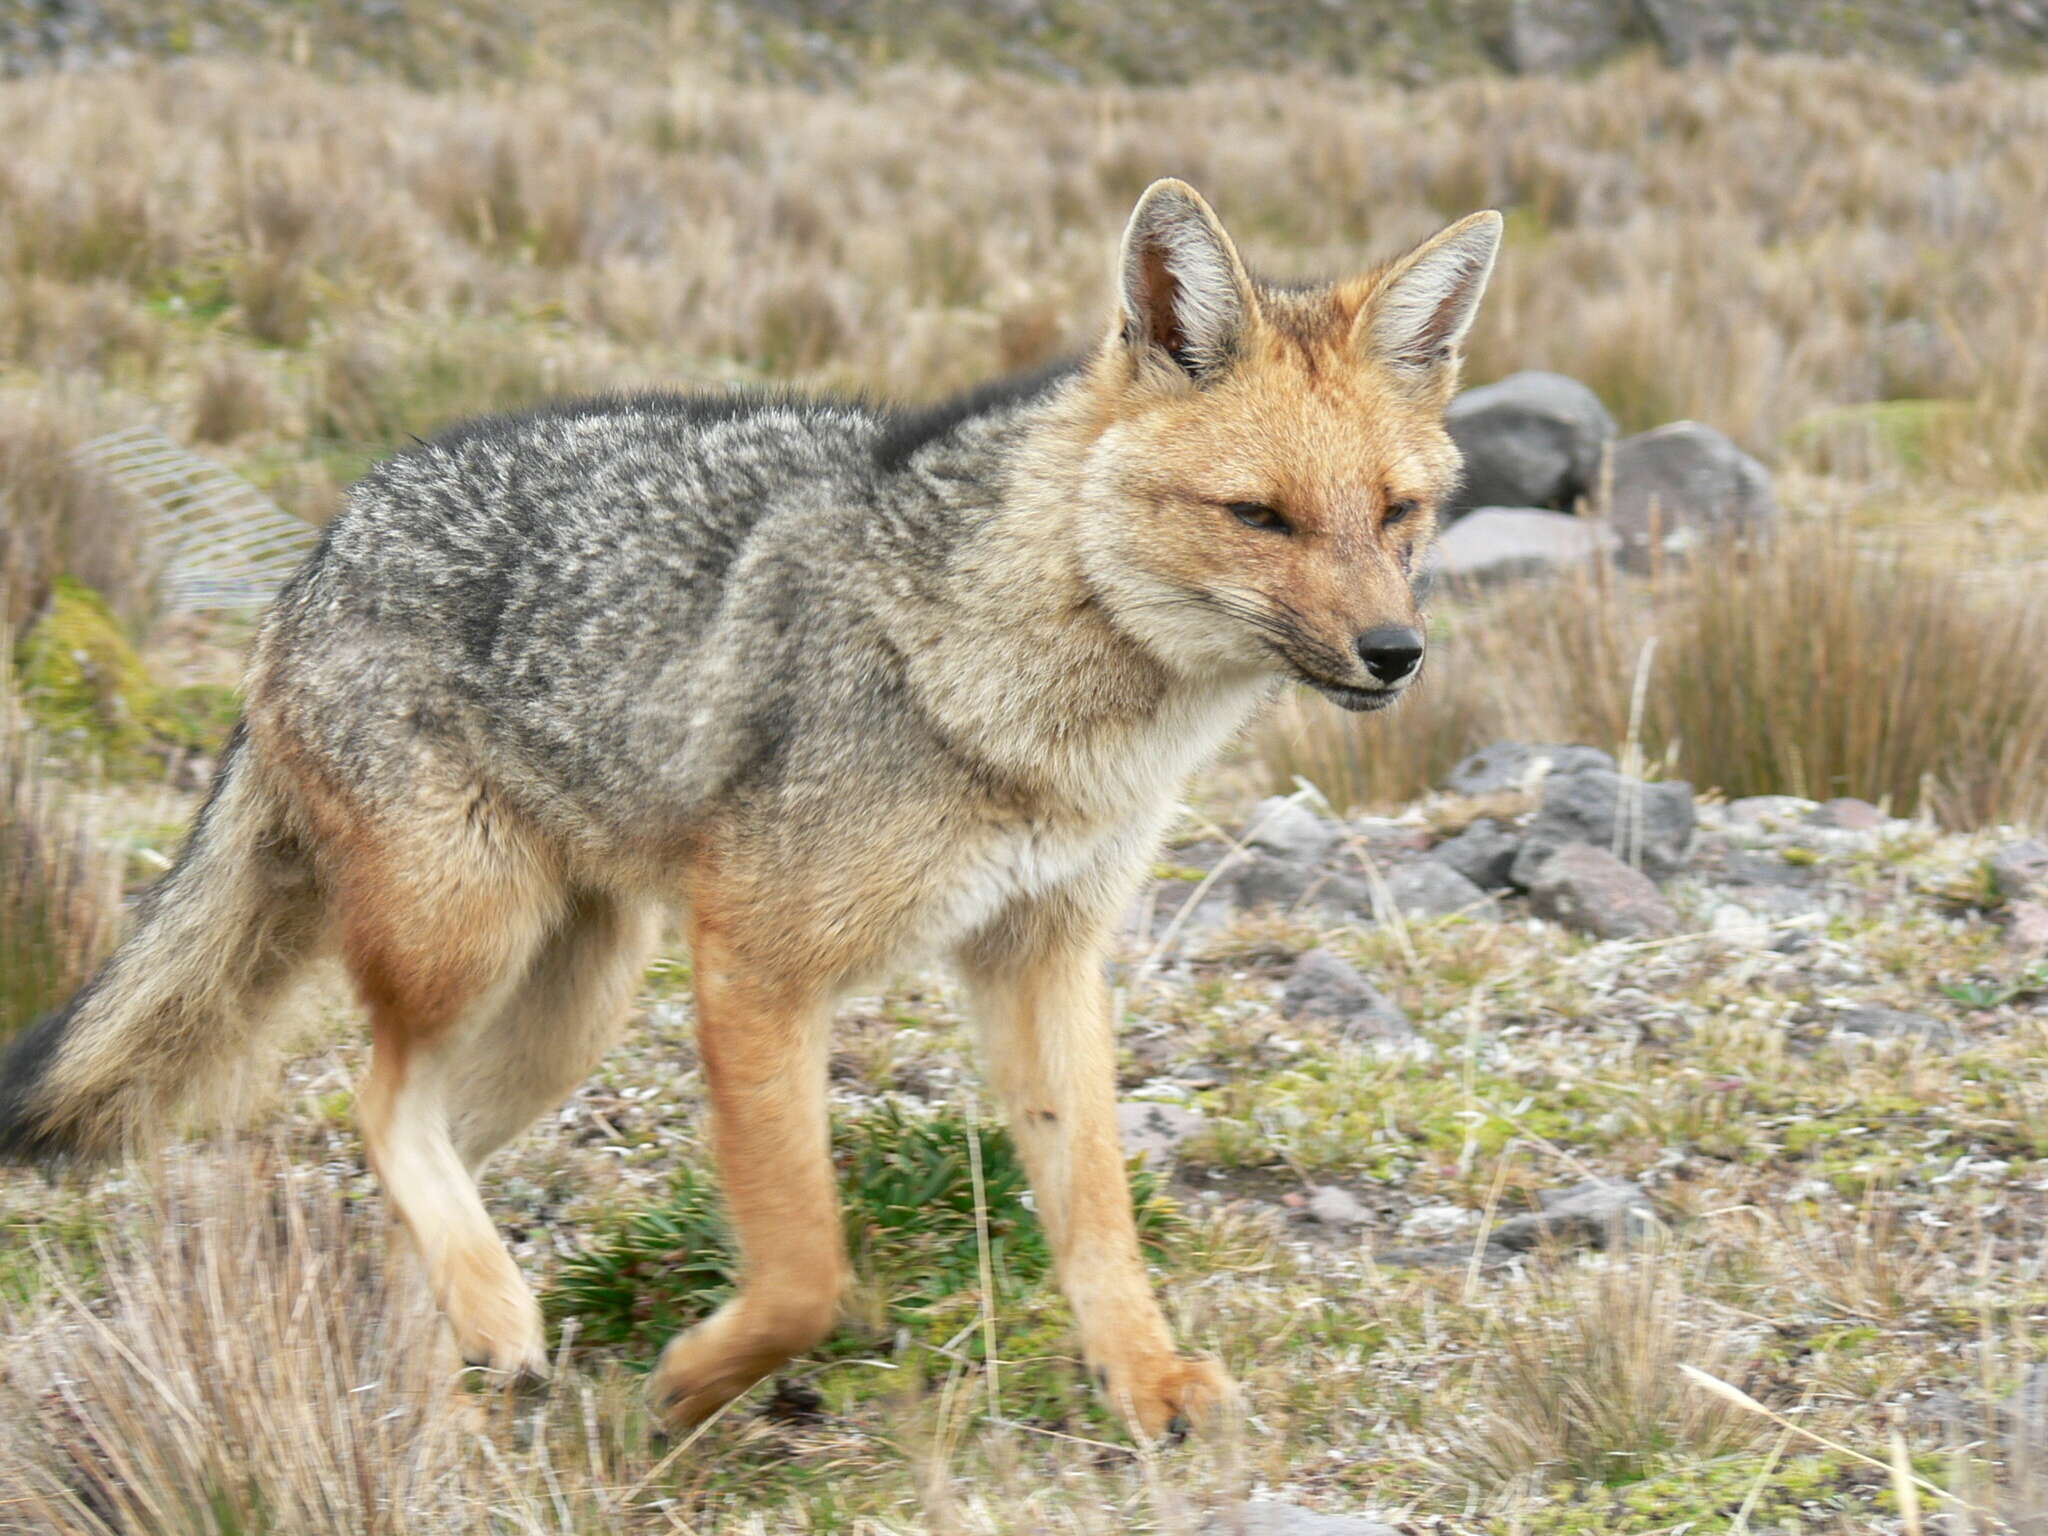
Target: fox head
(1265, 464)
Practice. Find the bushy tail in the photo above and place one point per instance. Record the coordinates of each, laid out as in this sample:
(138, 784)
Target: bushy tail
(183, 999)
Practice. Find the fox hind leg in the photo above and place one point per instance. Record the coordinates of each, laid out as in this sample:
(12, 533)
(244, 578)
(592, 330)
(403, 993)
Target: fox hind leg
(443, 922)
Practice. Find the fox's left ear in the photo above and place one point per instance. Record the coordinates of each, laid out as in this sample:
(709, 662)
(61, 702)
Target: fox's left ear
(1420, 310)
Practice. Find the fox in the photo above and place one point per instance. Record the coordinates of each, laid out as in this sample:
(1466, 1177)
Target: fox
(834, 687)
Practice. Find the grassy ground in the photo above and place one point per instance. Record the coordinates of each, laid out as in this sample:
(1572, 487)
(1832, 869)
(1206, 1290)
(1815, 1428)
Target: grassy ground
(1853, 1236)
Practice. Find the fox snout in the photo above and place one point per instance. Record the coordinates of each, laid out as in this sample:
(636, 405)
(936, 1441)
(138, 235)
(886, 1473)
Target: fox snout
(1391, 652)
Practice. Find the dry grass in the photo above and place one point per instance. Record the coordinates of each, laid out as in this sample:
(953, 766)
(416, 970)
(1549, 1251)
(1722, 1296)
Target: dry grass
(1818, 666)
(60, 888)
(1761, 249)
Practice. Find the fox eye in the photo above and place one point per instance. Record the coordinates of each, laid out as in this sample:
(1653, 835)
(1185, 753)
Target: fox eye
(1256, 514)
(1398, 511)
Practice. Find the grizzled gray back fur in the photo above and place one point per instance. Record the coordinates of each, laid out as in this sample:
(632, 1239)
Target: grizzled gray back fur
(645, 601)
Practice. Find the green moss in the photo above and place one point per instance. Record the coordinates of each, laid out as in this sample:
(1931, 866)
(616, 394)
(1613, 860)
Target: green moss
(87, 688)
(84, 684)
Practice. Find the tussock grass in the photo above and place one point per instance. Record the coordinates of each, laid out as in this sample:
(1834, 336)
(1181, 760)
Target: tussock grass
(1815, 666)
(1582, 1381)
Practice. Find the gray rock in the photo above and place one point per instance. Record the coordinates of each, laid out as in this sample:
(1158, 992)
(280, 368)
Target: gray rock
(1262, 1517)
(1588, 889)
(1332, 1206)
(1897, 1024)
(1495, 544)
(2027, 930)
(1325, 986)
(1265, 881)
(1681, 485)
(1290, 830)
(1548, 37)
(1534, 439)
(1155, 1132)
(1848, 815)
(1519, 765)
(1601, 1212)
(1483, 853)
(1692, 31)
(1656, 821)
(1429, 888)
(2020, 870)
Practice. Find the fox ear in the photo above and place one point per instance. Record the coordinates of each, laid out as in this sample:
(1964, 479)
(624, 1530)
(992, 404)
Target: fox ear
(1421, 309)
(1186, 298)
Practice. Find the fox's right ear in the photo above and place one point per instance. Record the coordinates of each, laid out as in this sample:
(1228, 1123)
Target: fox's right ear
(1186, 299)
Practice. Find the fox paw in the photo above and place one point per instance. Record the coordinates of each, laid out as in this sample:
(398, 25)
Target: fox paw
(1167, 1395)
(496, 1321)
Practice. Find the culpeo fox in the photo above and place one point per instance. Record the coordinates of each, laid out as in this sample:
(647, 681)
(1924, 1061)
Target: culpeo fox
(840, 686)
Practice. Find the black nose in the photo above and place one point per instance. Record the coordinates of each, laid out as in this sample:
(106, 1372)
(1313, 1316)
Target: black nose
(1390, 652)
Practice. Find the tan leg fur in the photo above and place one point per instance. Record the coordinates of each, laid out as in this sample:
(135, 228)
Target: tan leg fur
(1044, 1010)
(763, 1042)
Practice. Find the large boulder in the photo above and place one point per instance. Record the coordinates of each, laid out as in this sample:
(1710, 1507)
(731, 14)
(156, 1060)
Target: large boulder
(1652, 823)
(1496, 544)
(1534, 439)
(1589, 890)
(1683, 485)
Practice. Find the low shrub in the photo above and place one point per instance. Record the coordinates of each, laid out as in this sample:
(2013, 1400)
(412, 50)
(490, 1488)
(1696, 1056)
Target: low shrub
(909, 1205)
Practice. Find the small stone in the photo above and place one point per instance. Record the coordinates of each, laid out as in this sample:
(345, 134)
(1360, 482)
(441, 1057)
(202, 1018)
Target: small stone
(1769, 813)
(1483, 853)
(1519, 765)
(2027, 930)
(1437, 1222)
(1326, 986)
(1154, 1132)
(1428, 888)
(1331, 1206)
(1847, 815)
(1897, 1024)
(1267, 881)
(1588, 889)
(1290, 830)
(1263, 1517)
(1654, 822)
(2020, 870)
(1598, 1212)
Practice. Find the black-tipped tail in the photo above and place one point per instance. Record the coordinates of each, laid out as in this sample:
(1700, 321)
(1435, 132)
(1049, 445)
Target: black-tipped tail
(27, 1136)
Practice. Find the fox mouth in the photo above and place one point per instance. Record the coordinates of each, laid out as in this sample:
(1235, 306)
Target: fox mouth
(1346, 696)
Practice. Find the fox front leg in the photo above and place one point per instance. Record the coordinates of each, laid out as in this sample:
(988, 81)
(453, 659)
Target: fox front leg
(1045, 1017)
